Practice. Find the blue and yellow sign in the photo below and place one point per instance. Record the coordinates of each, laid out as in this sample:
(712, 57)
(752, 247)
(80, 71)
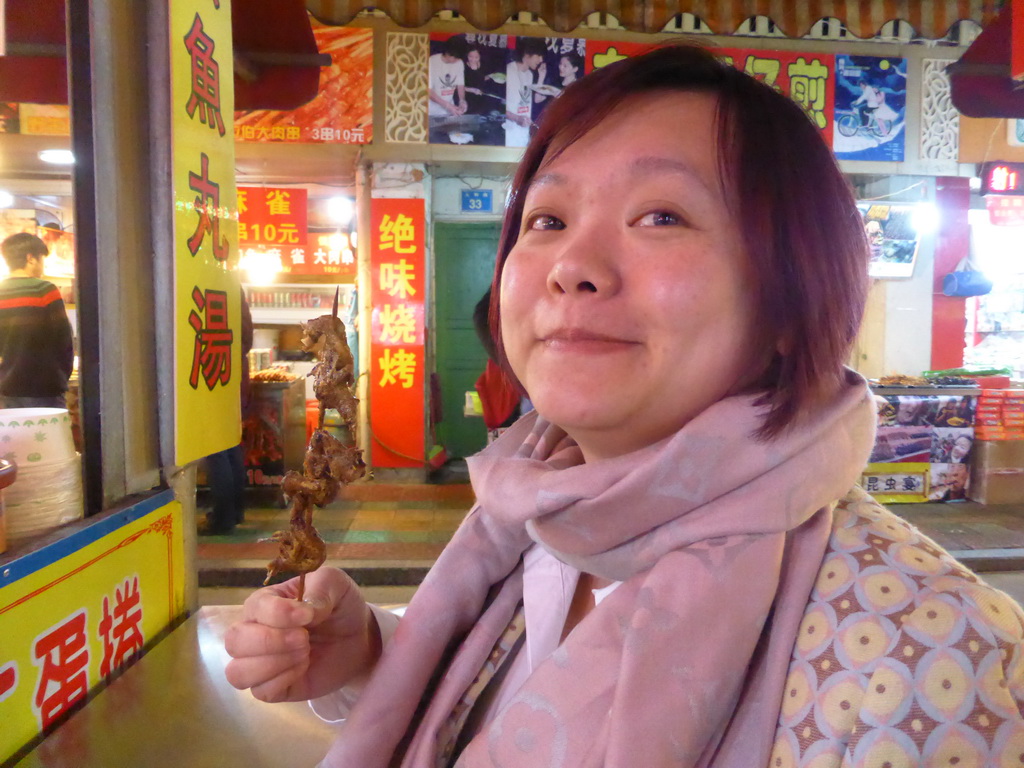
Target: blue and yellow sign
(76, 611)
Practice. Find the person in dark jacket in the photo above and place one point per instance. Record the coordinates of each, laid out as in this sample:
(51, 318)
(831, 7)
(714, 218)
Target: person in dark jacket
(36, 341)
(225, 470)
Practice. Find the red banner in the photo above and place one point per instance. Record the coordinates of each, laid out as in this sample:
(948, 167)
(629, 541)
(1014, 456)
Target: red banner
(1017, 39)
(397, 373)
(272, 216)
(807, 78)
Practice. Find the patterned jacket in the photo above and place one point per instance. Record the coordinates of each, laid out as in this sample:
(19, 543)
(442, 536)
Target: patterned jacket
(904, 657)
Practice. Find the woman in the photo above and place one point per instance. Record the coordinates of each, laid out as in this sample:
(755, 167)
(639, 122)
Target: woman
(665, 527)
(570, 68)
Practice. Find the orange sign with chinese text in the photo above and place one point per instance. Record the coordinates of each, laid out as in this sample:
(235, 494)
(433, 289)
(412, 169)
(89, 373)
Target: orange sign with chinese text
(397, 373)
(341, 113)
(272, 216)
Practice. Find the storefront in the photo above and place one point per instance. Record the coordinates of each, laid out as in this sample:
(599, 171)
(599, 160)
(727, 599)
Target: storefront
(361, 194)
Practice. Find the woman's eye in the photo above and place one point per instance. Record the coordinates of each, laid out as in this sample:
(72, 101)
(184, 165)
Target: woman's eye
(659, 219)
(544, 221)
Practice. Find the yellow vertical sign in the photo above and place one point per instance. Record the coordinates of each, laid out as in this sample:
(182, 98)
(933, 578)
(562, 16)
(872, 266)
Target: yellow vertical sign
(207, 294)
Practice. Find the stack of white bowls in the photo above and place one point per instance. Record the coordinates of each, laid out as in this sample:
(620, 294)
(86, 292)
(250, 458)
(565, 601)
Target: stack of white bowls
(48, 490)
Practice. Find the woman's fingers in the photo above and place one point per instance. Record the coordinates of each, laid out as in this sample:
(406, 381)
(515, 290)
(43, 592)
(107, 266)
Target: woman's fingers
(249, 638)
(268, 606)
(269, 677)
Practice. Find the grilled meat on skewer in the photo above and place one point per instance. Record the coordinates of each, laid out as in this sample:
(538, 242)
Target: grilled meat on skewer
(329, 463)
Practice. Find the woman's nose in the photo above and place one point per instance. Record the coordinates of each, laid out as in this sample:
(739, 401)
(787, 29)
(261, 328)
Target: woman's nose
(584, 268)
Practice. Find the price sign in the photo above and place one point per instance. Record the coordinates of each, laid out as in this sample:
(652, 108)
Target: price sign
(1002, 179)
(477, 201)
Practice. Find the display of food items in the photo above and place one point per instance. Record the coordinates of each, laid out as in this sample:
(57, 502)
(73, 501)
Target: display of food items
(901, 380)
(329, 463)
(272, 375)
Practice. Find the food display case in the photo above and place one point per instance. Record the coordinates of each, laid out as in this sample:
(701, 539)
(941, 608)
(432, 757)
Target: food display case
(274, 430)
(923, 445)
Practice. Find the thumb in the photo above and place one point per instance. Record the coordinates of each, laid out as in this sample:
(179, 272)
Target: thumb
(326, 589)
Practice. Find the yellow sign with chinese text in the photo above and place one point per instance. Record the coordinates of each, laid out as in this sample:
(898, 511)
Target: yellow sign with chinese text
(76, 611)
(207, 293)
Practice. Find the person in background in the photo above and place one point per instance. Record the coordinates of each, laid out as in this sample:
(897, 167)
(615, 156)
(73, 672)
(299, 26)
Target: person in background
(910, 411)
(669, 563)
(519, 95)
(446, 79)
(36, 340)
(480, 89)
(225, 470)
(570, 68)
(499, 396)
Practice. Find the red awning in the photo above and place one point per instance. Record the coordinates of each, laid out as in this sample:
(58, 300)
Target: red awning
(276, 66)
(864, 18)
(981, 80)
(34, 69)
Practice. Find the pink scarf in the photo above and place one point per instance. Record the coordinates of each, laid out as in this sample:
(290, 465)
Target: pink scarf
(718, 539)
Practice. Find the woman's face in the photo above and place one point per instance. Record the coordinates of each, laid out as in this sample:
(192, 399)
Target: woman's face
(566, 70)
(961, 447)
(473, 59)
(626, 302)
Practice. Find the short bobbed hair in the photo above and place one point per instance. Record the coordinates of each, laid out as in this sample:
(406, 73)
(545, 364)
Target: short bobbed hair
(799, 224)
(18, 247)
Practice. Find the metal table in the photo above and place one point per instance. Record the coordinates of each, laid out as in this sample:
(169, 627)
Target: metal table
(174, 708)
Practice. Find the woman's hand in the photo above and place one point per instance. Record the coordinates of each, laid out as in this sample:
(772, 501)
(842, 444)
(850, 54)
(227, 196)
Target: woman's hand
(285, 650)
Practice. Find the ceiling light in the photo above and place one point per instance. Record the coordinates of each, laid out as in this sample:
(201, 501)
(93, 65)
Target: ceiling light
(57, 156)
(6, 199)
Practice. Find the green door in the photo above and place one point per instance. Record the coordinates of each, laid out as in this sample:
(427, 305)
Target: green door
(463, 267)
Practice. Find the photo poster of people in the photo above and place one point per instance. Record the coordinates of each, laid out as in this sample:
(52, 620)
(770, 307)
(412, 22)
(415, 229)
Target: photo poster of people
(892, 238)
(870, 108)
(931, 437)
(489, 89)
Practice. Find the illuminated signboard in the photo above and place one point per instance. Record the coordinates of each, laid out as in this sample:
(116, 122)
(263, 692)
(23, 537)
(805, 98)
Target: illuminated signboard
(1002, 179)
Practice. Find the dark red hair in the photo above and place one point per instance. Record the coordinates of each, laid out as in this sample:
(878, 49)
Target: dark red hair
(800, 226)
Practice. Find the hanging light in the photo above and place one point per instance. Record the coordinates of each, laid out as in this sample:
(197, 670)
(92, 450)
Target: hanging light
(340, 209)
(6, 199)
(260, 267)
(57, 156)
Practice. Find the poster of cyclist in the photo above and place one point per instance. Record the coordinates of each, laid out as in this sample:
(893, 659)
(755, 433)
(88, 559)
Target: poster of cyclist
(870, 108)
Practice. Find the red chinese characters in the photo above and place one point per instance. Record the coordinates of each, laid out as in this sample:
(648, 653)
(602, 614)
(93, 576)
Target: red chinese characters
(807, 78)
(205, 95)
(397, 330)
(120, 626)
(211, 355)
(62, 653)
(207, 205)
